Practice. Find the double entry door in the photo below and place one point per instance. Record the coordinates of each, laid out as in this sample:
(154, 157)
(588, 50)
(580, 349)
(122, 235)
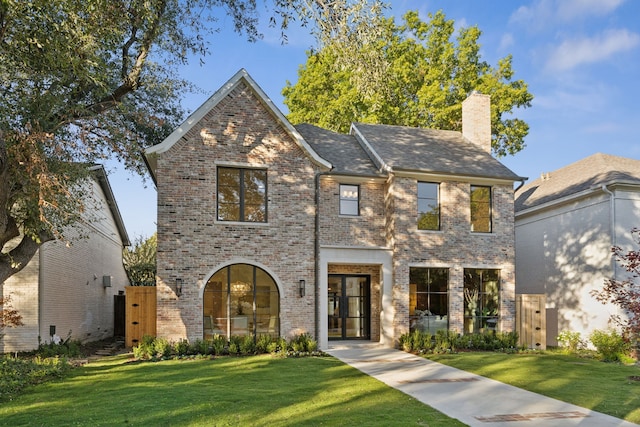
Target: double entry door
(349, 306)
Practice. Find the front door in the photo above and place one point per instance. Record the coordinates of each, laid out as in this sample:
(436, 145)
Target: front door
(349, 302)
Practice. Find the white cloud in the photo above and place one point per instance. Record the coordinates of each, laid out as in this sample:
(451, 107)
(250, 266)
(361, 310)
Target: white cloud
(542, 14)
(569, 10)
(506, 41)
(572, 53)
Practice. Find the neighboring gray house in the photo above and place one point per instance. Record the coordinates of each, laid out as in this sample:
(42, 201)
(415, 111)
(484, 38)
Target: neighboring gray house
(71, 288)
(566, 223)
(265, 227)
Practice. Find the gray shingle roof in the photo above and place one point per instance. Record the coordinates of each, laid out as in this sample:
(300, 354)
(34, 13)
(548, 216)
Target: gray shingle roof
(343, 151)
(429, 150)
(591, 172)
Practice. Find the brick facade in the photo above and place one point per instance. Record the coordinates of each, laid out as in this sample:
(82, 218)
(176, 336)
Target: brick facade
(241, 130)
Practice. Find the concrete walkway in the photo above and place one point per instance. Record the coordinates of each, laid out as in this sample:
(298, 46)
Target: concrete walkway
(470, 398)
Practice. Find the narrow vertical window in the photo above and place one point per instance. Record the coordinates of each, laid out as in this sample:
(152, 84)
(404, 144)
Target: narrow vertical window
(481, 300)
(349, 200)
(428, 206)
(242, 195)
(481, 221)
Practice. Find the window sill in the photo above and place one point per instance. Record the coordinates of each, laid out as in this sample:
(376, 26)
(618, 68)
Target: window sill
(242, 223)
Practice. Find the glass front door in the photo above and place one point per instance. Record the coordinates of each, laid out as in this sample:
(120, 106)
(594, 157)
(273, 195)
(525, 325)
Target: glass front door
(349, 302)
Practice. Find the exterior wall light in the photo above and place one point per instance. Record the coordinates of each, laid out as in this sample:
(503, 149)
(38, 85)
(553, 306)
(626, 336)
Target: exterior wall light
(178, 287)
(301, 287)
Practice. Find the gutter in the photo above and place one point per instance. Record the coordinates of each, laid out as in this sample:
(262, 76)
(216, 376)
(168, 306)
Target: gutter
(520, 186)
(316, 250)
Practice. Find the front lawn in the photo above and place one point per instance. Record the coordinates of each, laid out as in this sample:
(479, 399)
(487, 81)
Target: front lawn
(228, 391)
(604, 387)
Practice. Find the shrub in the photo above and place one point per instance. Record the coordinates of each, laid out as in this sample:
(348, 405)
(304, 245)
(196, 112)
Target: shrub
(611, 346)
(145, 348)
(16, 374)
(183, 348)
(247, 346)
(571, 342)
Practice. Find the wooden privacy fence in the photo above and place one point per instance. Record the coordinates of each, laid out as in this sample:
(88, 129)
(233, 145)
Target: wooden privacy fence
(531, 320)
(140, 313)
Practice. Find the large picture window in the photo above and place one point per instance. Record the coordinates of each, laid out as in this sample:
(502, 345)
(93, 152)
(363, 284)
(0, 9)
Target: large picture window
(428, 299)
(481, 209)
(481, 299)
(241, 299)
(242, 195)
(428, 206)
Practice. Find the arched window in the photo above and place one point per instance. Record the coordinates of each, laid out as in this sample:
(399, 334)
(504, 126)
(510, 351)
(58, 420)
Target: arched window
(241, 299)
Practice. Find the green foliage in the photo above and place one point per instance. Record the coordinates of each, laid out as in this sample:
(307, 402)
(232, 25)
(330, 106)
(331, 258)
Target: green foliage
(413, 74)
(151, 348)
(571, 342)
(611, 346)
(16, 374)
(140, 261)
(449, 342)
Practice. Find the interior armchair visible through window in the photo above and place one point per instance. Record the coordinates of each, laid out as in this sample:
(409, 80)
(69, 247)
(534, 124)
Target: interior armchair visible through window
(242, 194)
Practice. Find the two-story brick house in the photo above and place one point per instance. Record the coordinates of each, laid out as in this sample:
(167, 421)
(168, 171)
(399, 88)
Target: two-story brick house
(266, 227)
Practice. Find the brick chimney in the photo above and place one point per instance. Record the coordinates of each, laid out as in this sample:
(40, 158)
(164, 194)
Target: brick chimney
(476, 120)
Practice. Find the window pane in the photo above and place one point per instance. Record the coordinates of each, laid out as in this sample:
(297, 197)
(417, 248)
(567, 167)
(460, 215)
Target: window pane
(481, 299)
(255, 193)
(481, 209)
(349, 197)
(228, 194)
(428, 206)
(242, 195)
(428, 299)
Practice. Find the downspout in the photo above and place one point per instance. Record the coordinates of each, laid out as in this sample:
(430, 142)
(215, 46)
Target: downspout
(612, 222)
(316, 250)
(519, 186)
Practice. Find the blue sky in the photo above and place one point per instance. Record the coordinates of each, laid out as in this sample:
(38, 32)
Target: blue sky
(580, 58)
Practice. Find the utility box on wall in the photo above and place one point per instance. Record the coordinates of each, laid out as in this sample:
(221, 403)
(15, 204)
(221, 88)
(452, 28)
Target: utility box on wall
(140, 313)
(531, 320)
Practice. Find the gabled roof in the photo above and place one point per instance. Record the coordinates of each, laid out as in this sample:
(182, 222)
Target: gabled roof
(410, 149)
(588, 174)
(241, 77)
(101, 176)
(343, 151)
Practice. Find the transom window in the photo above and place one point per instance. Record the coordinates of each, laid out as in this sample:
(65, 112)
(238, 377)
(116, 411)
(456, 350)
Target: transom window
(349, 200)
(481, 299)
(428, 299)
(241, 299)
(242, 195)
(428, 206)
(480, 205)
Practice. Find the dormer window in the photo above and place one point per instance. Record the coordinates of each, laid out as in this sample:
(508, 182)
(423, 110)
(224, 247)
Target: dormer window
(242, 195)
(349, 200)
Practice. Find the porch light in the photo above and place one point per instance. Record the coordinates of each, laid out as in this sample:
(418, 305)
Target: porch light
(178, 287)
(301, 287)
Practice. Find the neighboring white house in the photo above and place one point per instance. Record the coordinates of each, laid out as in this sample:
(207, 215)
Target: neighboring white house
(71, 287)
(566, 223)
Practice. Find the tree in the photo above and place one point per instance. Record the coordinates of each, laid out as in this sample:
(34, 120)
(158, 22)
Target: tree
(625, 293)
(9, 317)
(412, 74)
(140, 261)
(82, 81)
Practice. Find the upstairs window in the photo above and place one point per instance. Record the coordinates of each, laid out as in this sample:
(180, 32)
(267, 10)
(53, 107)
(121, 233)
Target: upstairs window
(349, 200)
(242, 195)
(428, 206)
(481, 209)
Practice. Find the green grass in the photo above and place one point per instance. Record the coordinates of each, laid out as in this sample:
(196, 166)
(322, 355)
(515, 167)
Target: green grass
(603, 387)
(256, 391)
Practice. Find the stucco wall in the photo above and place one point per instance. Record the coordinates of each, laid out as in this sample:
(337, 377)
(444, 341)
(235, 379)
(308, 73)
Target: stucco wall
(564, 252)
